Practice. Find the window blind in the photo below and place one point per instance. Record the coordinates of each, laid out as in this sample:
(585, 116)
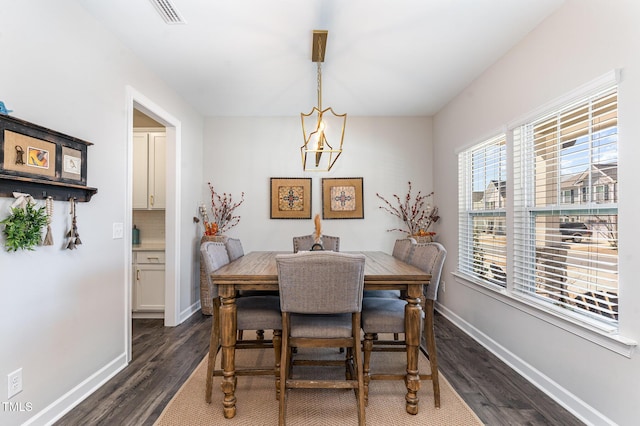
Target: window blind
(482, 214)
(565, 207)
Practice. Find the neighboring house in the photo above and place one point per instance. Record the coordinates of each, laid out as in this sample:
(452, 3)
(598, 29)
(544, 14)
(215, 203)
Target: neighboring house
(604, 185)
(492, 198)
(478, 200)
(495, 195)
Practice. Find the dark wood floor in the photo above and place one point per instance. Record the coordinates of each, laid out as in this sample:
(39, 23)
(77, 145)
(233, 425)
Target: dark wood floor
(163, 358)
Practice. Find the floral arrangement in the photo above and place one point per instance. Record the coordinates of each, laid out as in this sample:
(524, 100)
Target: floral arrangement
(417, 214)
(222, 207)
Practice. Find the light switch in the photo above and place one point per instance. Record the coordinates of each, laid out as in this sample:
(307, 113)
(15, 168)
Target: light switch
(118, 230)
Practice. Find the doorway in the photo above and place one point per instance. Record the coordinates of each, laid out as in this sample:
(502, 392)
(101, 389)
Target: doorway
(138, 102)
(149, 203)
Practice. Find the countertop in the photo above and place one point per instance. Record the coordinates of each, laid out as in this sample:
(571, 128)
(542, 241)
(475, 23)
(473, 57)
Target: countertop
(150, 246)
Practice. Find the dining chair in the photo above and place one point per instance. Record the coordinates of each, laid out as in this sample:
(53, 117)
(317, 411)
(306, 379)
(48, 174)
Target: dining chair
(234, 248)
(236, 251)
(306, 242)
(386, 315)
(253, 312)
(321, 302)
(402, 250)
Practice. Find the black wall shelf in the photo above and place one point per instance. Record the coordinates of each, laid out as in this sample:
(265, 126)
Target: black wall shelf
(41, 189)
(42, 162)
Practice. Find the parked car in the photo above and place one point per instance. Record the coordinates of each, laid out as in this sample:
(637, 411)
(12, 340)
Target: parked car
(575, 231)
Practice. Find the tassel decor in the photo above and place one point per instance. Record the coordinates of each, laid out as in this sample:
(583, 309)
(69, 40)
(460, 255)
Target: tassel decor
(74, 237)
(48, 238)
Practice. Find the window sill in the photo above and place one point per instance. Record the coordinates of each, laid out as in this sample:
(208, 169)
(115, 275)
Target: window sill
(600, 334)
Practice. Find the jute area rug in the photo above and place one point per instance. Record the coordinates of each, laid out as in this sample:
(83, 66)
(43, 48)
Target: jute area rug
(257, 405)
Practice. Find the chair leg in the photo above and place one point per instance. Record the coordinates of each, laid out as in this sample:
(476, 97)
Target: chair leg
(359, 368)
(430, 339)
(214, 347)
(285, 358)
(277, 349)
(368, 347)
(348, 364)
(259, 334)
(240, 334)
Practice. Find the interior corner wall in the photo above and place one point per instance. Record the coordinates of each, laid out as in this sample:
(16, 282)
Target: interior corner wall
(63, 311)
(580, 42)
(386, 152)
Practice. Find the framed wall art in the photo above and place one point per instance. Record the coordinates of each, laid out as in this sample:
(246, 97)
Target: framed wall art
(42, 162)
(342, 198)
(290, 198)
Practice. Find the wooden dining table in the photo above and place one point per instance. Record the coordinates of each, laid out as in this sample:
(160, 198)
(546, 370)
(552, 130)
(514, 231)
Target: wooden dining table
(257, 271)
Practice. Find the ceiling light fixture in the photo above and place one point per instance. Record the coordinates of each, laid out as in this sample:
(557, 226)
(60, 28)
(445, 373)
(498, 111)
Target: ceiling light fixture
(325, 124)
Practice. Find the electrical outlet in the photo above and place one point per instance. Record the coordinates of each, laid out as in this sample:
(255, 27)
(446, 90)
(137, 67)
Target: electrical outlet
(118, 231)
(443, 285)
(14, 383)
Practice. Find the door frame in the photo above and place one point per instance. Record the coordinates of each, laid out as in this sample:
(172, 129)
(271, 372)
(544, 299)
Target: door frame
(173, 128)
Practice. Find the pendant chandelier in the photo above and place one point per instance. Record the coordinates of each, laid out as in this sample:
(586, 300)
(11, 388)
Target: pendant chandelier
(323, 129)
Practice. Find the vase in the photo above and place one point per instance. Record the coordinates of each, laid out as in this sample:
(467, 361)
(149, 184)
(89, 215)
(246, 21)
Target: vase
(206, 301)
(423, 238)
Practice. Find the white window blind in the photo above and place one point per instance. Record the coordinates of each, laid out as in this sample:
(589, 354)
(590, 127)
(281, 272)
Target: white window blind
(482, 185)
(565, 208)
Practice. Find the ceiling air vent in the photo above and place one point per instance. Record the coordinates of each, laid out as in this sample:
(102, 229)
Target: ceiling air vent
(168, 12)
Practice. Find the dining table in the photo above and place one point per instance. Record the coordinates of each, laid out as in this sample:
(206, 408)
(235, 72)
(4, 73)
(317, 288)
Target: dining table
(257, 271)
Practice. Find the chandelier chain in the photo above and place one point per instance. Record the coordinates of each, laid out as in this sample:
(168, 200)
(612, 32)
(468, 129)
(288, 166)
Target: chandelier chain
(319, 64)
(319, 86)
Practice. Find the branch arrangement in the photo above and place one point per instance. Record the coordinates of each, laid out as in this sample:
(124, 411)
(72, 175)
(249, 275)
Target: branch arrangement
(416, 213)
(222, 207)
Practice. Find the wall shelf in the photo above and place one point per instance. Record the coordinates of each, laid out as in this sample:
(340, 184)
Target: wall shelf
(40, 189)
(42, 162)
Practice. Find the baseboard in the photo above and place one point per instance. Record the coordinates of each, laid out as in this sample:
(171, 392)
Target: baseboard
(75, 396)
(147, 315)
(562, 396)
(184, 315)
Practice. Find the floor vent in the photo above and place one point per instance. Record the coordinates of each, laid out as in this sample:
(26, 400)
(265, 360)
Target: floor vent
(168, 12)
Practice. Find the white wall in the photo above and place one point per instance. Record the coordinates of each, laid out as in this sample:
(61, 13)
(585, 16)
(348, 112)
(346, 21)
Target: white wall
(386, 152)
(62, 315)
(580, 42)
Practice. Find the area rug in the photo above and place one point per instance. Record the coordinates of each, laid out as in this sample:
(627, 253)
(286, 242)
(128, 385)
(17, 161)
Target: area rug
(257, 405)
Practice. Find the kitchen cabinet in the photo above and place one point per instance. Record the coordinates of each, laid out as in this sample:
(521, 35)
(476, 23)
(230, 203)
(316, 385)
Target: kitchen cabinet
(149, 170)
(148, 281)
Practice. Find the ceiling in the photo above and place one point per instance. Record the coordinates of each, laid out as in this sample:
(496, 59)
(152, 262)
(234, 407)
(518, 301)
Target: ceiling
(383, 57)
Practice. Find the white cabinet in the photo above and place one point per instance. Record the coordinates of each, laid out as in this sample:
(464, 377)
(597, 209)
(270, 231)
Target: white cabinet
(149, 170)
(148, 281)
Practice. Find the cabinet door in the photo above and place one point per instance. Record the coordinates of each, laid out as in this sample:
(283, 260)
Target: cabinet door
(140, 170)
(149, 288)
(157, 170)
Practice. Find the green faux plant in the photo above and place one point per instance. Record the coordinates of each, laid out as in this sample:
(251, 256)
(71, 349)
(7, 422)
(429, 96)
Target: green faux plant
(23, 228)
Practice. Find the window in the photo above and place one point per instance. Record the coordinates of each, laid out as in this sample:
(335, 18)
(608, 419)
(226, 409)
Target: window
(566, 247)
(482, 220)
(562, 247)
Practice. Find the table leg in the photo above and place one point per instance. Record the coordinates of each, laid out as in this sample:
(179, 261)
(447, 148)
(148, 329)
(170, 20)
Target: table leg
(229, 329)
(412, 318)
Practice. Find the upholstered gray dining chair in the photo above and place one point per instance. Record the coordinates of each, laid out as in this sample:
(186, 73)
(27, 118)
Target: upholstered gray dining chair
(306, 242)
(402, 250)
(234, 248)
(321, 301)
(236, 251)
(253, 312)
(386, 315)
